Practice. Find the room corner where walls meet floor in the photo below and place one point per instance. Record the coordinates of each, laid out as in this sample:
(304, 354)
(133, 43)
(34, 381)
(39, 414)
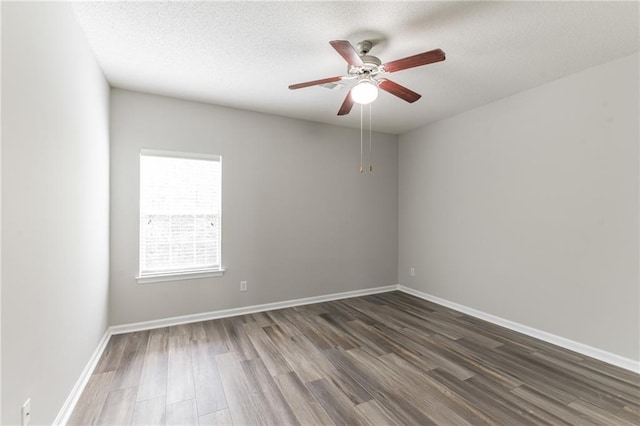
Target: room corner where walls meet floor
(67, 409)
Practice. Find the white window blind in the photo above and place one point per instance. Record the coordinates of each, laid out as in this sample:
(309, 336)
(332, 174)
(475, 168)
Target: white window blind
(180, 213)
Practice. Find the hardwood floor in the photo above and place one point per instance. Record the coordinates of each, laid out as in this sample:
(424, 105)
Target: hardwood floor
(382, 359)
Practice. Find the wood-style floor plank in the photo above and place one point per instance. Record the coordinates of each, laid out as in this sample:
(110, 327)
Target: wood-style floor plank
(182, 413)
(209, 393)
(271, 406)
(216, 337)
(92, 400)
(236, 389)
(118, 408)
(564, 412)
(129, 369)
(305, 407)
(384, 359)
(385, 387)
(335, 403)
(237, 339)
(376, 414)
(267, 350)
(293, 354)
(153, 380)
(221, 418)
(180, 385)
(150, 412)
(112, 354)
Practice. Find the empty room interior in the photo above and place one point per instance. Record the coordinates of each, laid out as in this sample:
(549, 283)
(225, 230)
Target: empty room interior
(320, 213)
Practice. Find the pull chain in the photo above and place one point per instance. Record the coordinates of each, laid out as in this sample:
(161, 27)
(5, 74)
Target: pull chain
(361, 108)
(370, 150)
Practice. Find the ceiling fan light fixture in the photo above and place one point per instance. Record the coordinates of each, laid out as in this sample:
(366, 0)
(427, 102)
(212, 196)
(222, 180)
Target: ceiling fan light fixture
(364, 92)
(368, 69)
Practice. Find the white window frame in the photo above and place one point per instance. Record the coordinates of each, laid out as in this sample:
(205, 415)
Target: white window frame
(177, 275)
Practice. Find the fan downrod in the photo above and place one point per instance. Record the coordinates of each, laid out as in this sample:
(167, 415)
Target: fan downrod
(371, 63)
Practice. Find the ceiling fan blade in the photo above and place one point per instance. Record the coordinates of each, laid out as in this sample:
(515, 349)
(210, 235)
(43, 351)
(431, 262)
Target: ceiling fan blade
(420, 59)
(346, 50)
(346, 105)
(398, 90)
(314, 83)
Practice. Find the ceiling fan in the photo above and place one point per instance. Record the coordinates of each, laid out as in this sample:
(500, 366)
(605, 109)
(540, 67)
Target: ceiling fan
(369, 72)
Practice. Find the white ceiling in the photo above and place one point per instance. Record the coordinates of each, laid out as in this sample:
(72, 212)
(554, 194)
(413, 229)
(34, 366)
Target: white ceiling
(245, 54)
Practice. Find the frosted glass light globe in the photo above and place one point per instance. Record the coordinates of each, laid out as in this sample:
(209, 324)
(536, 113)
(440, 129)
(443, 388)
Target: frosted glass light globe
(364, 92)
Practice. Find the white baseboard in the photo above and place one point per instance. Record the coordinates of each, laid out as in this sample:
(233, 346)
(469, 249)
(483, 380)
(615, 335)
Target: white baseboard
(65, 412)
(205, 316)
(72, 399)
(602, 355)
(67, 408)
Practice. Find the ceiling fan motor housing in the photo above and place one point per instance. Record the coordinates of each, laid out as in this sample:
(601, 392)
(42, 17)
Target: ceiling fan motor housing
(371, 66)
(367, 69)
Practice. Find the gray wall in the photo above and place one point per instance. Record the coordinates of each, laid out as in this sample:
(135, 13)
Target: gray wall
(55, 205)
(527, 208)
(298, 218)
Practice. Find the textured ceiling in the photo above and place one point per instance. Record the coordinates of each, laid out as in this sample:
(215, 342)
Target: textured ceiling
(245, 54)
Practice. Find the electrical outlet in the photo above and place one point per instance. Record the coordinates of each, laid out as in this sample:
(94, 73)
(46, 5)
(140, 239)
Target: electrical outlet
(412, 272)
(243, 286)
(26, 412)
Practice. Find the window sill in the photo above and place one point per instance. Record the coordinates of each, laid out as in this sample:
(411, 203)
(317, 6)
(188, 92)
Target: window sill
(146, 279)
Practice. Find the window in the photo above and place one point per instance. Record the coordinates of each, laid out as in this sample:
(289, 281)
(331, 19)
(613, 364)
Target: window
(180, 215)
